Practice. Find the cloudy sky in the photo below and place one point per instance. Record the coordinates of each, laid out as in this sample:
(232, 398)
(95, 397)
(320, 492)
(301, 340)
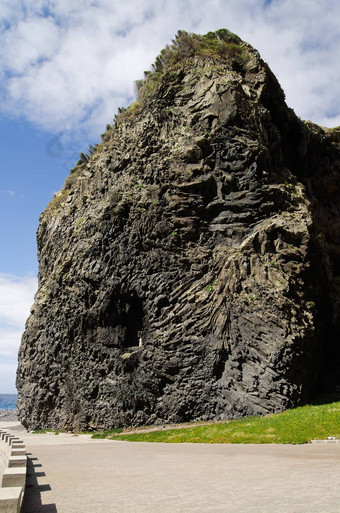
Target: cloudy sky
(67, 65)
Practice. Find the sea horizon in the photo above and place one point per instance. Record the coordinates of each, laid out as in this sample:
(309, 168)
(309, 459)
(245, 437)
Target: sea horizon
(8, 401)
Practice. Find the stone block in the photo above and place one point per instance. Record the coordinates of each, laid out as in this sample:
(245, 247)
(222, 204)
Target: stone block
(15, 439)
(10, 499)
(14, 477)
(17, 461)
(18, 445)
(18, 452)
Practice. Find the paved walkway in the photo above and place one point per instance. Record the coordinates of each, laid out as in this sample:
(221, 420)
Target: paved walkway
(78, 475)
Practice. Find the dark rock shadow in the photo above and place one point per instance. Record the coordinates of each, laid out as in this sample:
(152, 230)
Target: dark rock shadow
(32, 499)
(326, 399)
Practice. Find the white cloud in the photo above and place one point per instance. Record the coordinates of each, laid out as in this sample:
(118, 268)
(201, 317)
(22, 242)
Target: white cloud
(7, 377)
(33, 41)
(9, 342)
(68, 64)
(16, 298)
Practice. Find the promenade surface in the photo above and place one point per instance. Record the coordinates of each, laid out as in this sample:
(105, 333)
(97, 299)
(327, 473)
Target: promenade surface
(69, 474)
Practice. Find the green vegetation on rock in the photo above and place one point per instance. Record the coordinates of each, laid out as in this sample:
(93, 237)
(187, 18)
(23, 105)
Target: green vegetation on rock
(56, 202)
(222, 45)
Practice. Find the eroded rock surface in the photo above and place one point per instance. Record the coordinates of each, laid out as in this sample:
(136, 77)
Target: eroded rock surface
(191, 268)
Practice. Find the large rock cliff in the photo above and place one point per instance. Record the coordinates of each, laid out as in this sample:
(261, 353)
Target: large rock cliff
(190, 267)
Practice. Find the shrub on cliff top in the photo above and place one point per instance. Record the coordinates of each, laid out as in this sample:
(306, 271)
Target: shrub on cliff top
(221, 44)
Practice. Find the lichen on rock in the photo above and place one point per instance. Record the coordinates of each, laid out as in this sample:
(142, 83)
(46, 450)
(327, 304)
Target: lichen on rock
(189, 269)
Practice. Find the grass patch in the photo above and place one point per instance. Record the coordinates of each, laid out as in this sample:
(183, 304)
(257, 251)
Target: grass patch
(296, 426)
(107, 434)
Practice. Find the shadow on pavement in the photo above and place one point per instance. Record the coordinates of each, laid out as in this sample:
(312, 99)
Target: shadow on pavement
(32, 499)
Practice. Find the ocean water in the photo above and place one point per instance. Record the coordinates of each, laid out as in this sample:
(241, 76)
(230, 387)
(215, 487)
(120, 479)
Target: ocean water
(8, 401)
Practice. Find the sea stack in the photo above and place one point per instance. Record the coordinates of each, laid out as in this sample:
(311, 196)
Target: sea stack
(190, 266)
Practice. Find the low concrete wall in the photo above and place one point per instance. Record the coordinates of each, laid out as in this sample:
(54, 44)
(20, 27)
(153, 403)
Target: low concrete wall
(13, 464)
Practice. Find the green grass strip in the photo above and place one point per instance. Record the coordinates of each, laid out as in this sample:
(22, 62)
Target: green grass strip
(296, 426)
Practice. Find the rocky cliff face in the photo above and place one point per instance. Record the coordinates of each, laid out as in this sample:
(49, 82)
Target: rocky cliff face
(190, 269)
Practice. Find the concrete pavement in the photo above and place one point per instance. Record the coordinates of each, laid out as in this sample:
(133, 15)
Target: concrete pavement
(79, 475)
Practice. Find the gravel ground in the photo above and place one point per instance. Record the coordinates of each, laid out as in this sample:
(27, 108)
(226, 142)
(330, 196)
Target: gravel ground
(8, 415)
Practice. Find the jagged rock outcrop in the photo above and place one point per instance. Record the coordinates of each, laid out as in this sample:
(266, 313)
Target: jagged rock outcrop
(190, 267)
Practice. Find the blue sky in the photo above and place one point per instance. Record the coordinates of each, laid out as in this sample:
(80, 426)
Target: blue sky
(67, 65)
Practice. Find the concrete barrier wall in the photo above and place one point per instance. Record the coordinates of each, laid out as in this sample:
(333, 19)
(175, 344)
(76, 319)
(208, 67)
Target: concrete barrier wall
(13, 464)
